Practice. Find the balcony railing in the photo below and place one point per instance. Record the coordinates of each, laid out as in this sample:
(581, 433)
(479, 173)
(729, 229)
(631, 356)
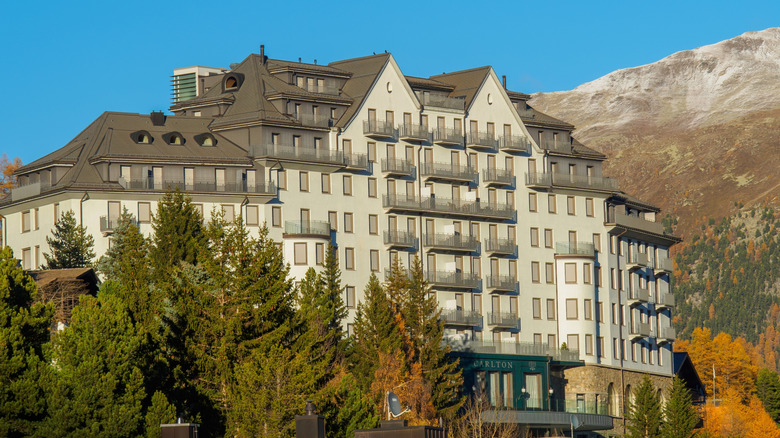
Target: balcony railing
(640, 330)
(457, 280)
(501, 247)
(378, 128)
(443, 101)
(498, 177)
(503, 319)
(108, 224)
(322, 89)
(412, 132)
(307, 228)
(319, 121)
(663, 265)
(481, 140)
(356, 161)
(560, 146)
(575, 248)
(451, 242)
(461, 317)
(449, 172)
(574, 406)
(636, 260)
(665, 301)
(639, 296)
(668, 334)
(501, 283)
(327, 156)
(635, 222)
(568, 180)
(394, 166)
(451, 207)
(400, 239)
(198, 186)
(523, 349)
(514, 143)
(448, 136)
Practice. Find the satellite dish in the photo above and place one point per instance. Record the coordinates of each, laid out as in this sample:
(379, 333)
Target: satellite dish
(575, 421)
(395, 405)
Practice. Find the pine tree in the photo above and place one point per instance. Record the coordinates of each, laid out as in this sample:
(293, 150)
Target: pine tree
(108, 264)
(70, 244)
(768, 391)
(680, 417)
(160, 412)
(24, 329)
(644, 413)
(346, 408)
(178, 234)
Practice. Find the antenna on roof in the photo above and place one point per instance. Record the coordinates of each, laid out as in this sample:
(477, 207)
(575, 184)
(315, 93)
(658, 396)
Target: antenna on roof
(503, 81)
(395, 405)
(315, 62)
(385, 50)
(299, 59)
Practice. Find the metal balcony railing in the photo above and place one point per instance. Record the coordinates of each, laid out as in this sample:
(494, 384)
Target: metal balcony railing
(483, 140)
(665, 301)
(503, 319)
(327, 156)
(498, 176)
(378, 128)
(307, 228)
(451, 242)
(448, 136)
(395, 166)
(522, 348)
(108, 224)
(639, 296)
(566, 180)
(501, 247)
(514, 143)
(461, 317)
(575, 248)
(449, 172)
(412, 132)
(446, 279)
(319, 121)
(501, 283)
(356, 161)
(635, 222)
(401, 239)
(262, 188)
(579, 406)
(322, 89)
(560, 146)
(452, 207)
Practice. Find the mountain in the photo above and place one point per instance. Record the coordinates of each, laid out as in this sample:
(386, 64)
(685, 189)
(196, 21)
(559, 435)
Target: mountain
(697, 133)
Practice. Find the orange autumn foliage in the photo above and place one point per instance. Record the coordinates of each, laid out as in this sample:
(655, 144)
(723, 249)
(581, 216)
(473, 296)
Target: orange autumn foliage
(392, 375)
(7, 178)
(735, 419)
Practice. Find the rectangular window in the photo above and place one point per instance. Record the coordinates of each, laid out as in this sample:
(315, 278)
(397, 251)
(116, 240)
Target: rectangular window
(587, 309)
(228, 213)
(26, 222)
(144, 212)
(325, 183)
(586, 271)
(300, 253)
(548, 238)
(615, 348)
(374, 256)
(333, 220)
(612, 244)
(476, 303)
(319, 254)
(614, 314)
(571, 273)
(549, 271)
(551, 341)
(349, 299)
(276, 216)
(597, 272)
(612, 278)
(600, 346)
(373, 224)
(348, 226)
(26, 258)
(303, 180)
(535, 272)
(571, 308)
(252, 215)
(348, 185)
(550, 309)
(532, 202)
(281, 179)
(573, 342)
(372, 152)
(589, 345)
(600, 312)
(597, 242)
(537, 338)
(535, 237)
(349, 259)
(552, 206)
(372, 187)
(537, 308)
(620, 279)
(589, 207)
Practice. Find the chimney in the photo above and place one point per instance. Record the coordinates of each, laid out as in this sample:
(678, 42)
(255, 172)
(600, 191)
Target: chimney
(262, 52)
(158, 118)
(309, 425)
(503, 81)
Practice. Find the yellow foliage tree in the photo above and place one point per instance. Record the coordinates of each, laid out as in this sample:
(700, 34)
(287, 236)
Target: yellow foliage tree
(7, 178)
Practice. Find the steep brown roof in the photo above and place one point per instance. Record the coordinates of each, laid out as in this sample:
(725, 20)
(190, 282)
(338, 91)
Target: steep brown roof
(275, 65)
(430, 84)
(466, 82)
(364, 73)
(533, 116)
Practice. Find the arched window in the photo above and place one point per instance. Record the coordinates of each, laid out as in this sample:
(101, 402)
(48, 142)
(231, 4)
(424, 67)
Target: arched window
(206, 139)
(629, 400)
(176, 139)
(613, 401)
(142, 137)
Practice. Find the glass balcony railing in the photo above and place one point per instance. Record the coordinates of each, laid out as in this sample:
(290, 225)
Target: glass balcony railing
(307, 228)
(575, 248)
(566, 180)
(412, 132)
(503, 319)
(401, 239)
(481, 140)
(520, 348)
(356, 161)
(501, 283)
(514, 143)
(451, 207)
(501, 246)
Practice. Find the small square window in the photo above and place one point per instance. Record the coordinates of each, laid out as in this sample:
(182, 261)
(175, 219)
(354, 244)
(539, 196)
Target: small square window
(144, 212)
(573, 342)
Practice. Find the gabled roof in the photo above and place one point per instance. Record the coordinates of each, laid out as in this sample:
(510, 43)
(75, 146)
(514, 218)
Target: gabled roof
(364, 73)
(275, 65)
(516, 95)
(533, 116)
(466, 82)
(428, 84)
(580, 149)
(683, 368)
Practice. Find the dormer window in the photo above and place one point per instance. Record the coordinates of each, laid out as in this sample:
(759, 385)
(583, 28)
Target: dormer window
(206, 140)
(232, 82)
(174, 138)
(142, 137)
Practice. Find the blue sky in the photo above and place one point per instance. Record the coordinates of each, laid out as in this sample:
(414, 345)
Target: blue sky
(67, 62)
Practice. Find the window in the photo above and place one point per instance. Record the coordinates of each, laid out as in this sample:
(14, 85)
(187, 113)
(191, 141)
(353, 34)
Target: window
(612, 244)
(597, 273)
(586, 271)
(325, 183)
(532, 202)
(600, 346)
(348, 185)
(333, 220)
(600, 311)
(281, 180)
(570, 270)
(228, 213)
(535, 237)
(549, 273)
(550, 309)
(304, 181)
(573, 342)
(319, 254)
(620, 279)
(347, 146)
(199, 209)
(548, 238)
(551, 204)
(25, 221)
(589, 345)
(35, 219)
(571, 308)
(537, 338)
(300, 253)
(570, 205)
(374, 257)
(614, 313)
(373, 224)
(535, 272)
(615, 348)
(349, 299)
(372, 187)
(296, 139)
(56, 212)
(612, 278)
(537, 308)
(587, 309)
(349, 259)
(348, 228)
(252, 215)
(597, 242)
(276, 216)
(589, 207)
(551, 341)
(372, 152)
(476, 303)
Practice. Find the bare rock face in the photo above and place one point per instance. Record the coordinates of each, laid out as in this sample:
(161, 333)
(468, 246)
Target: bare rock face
(694, 132)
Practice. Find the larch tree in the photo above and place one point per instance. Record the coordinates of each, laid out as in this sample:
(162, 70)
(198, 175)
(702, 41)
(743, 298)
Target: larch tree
(7, 177)
(644, 412)
(680, 417)
(71, 246)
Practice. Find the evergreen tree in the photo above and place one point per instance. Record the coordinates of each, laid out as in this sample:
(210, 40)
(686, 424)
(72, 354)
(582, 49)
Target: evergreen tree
(644, 413)
(334, 310)
(70, 244)
(680, 417)
(160, 412)
(108, 264)
(768, 391)
(178, 234)
(346, 408)
(24, 328)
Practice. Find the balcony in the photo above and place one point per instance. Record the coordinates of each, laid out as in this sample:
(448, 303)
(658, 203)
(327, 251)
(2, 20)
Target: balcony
(639, 330)
(560, 146)
(635, 222)
(465, 318)
(452, 280)
(544, 180)
(438, 101)
(396, 167)
(448, 172)
(448, 207)
(318, 229)
(498, 177)
(322, 89)
(503, 320)
(448, 137)
(501, 247)
(501, 283)
(575, 406)
(317, 121)
(668, 334)
(665, 301)
(639, 297)
(108, 224)
(400, 239)
(481, 140)
(199, 186)
(523, 349)
(637, 260)
(575, 249)
(663, 266)
(514, 143)
(450, 242)
(378, 129)
(356, 161)
(305, 154)
(412, 132)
